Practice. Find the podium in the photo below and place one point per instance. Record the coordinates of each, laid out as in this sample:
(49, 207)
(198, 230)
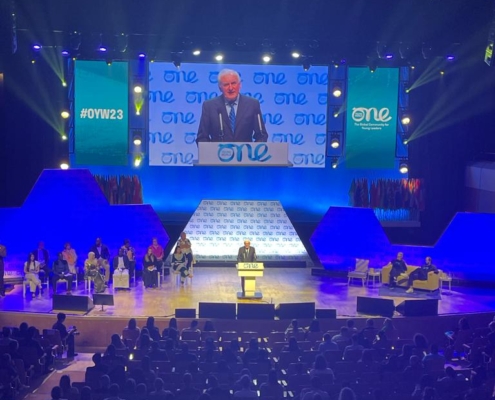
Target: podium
(248, 271)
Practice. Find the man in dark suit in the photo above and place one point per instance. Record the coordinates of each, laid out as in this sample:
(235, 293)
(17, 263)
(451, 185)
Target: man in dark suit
(246, 253)
(43, 257)
(102, 254)
(61, 273)
(231, 117)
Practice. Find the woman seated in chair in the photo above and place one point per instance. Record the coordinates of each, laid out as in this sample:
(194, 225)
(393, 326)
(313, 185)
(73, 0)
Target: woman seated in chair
(92, 271)
(150, 270)
(179, 264)
(31, 271)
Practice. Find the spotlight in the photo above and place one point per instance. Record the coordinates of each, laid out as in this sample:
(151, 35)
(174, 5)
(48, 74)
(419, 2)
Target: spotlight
(335, 143)
(141, 56)
(64, 137)
(266, 58)
(408, 90)
(138, 89)
(442, 72)
(64, 165)
(296, 54)
(336, 112)
(137, 160)
(65, 114)
(64, 83)
(137, 140)
(403, 167)
(109, 61)
(306, 65)
(406, 120)
(219, 57)
(102, 49)
(389, 56)
(36, 47)
(177, 64)
(65, 53)
(337, 91)
(372, 67)
(196, 52)
(405, 141)
(335, 162)
(450, 57)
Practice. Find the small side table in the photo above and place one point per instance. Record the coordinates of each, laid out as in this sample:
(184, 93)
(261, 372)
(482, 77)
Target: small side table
(445, 278)
(373, 274)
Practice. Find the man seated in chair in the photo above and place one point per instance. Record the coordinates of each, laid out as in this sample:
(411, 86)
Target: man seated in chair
(420, 274)
(61, 273)
(121, 265)
(399, 267)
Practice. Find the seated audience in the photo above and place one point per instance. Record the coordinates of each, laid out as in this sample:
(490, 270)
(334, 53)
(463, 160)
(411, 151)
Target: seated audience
(160, 393)
(328, 344)
(209, 327)
(434, 361)
(245, 391)
(172, 324)
(320, 369)
(315, 390)
(344, 335)
(354, 346)
(187, 390)
(271, 388)
(66, 335)
(389, 330)
(293, 329)
(153, 330)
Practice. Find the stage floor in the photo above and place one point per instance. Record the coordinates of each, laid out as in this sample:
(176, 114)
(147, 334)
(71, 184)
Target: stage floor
(278, 285)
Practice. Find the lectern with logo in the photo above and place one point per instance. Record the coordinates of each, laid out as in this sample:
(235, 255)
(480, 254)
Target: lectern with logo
(248, 271)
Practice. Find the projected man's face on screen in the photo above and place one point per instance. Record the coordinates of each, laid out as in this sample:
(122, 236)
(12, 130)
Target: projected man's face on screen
(229, 85)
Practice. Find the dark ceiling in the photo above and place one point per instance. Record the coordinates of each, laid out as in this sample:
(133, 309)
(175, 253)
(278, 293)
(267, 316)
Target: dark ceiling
(343, 27)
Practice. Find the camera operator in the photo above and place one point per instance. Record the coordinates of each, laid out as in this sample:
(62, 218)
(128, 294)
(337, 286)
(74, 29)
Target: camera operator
(67, 336)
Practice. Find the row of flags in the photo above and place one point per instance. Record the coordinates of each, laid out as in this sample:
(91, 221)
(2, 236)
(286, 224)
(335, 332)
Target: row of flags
(121, 189)
(388, 194)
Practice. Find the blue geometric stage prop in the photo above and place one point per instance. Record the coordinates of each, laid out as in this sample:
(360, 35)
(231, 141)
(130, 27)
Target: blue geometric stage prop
(219, 227)
(465, 249)
(69, 206)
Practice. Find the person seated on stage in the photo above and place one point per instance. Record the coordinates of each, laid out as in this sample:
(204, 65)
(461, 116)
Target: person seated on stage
(158, 252)
(150, 270)
(31, 274)
(328, 344)
(71, 257)
(293, 329)
(399, 267)
(43, 257)
(66, 335)
(179, 264)
(131, 256)
(92, 271)
(185, 245)
(102, 254)
(121, 263)
(61, 273)
(421, 274)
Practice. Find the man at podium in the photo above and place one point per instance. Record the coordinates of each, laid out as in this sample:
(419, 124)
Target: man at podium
(246, 254)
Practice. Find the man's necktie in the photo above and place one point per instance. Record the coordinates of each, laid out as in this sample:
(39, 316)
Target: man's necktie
(232, 117)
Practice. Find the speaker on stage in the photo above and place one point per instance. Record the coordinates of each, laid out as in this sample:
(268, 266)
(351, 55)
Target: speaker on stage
(101, 299)
(418, 308)
(185, 313)
(255, 311)
(326, 313)
(296, 310)
(375, 306)
(217, 310)
(64, 302)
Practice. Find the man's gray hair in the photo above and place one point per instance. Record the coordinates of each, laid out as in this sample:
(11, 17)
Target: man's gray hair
(227, 71)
